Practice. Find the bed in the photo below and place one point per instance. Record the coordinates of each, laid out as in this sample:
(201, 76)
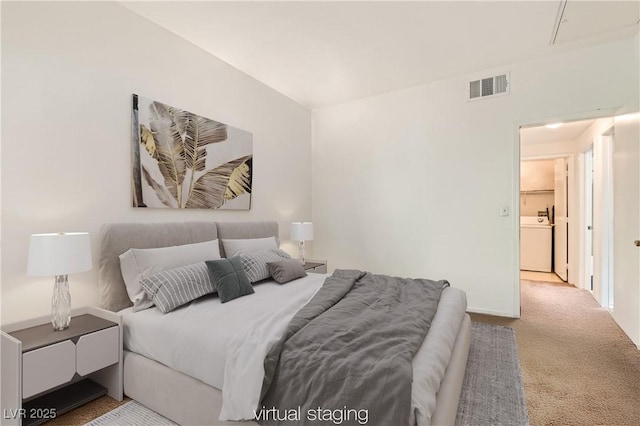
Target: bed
(161, 358)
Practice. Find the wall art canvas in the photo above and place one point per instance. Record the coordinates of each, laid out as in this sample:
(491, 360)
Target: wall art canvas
(182, 160)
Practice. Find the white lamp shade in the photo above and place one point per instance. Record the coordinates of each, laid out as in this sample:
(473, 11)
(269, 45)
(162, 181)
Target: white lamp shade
(59, 254)
(302, 231)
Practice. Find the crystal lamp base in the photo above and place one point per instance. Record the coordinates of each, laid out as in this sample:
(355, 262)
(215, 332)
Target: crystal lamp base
(301, 251)
(61, 304)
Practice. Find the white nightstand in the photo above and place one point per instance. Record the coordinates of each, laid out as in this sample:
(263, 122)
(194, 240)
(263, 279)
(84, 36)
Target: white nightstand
(319, 266)
(46, 373)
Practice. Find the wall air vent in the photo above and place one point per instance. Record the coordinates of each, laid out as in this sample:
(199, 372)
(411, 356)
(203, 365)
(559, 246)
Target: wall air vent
(489, 86)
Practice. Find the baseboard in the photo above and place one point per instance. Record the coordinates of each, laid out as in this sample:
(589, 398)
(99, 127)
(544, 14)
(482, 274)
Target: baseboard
(490, 312)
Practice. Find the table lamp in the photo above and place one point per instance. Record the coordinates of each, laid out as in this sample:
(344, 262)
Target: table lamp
(301, 231)
(59, 254)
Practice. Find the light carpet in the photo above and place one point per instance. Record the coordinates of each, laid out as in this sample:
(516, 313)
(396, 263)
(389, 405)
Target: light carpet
(492, 392)
(578, 367)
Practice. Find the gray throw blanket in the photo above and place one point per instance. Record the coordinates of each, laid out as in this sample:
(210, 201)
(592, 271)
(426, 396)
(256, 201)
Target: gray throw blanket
(345, 358)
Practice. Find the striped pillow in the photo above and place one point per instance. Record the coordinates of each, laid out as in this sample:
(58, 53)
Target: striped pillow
(254, 263)
(175, 287)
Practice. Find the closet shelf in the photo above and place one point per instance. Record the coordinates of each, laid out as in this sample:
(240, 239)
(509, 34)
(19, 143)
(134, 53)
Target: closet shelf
(536, 191)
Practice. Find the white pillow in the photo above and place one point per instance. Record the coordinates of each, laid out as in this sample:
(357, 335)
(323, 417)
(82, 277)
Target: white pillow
(136, 264)
(235, 247)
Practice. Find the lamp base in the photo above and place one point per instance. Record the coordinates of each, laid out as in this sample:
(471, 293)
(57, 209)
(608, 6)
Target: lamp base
(61, 304)
(301, 251)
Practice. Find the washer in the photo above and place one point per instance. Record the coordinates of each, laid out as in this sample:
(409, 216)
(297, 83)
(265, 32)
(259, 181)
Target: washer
(535, 244)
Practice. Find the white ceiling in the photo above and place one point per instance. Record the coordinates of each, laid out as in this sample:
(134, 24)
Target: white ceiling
(322, 53)
(580, 20)
(565, 133)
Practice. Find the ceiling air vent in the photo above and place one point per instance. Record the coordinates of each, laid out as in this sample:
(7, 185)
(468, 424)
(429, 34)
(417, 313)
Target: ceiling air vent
(489, 86)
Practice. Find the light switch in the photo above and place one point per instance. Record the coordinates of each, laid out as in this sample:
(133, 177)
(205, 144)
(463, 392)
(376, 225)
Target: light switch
(504, 211)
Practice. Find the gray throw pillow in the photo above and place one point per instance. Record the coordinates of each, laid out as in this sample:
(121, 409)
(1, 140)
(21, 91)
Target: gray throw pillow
(255, 262)
(286, 270)
(229, 278)
(176, 287)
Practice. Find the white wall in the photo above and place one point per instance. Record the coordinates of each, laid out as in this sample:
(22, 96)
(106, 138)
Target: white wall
(613, 253)
(68, 72)
(626, 226)
(532, 203)
(412, 182)
(536, 176)
(547, 150)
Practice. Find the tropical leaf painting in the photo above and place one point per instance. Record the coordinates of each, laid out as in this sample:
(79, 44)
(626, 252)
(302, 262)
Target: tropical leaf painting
(182, 160)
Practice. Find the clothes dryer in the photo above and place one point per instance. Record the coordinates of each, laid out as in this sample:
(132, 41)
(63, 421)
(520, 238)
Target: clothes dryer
(535, 243)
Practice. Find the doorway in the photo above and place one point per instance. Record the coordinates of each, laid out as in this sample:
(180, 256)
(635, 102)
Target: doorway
(545, 244)
(581, 211)
(603, 202)
(537, 215)
(580, 198)
(550, 187)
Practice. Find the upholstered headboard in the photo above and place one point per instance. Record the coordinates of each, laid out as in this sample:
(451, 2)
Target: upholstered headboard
(120, 237)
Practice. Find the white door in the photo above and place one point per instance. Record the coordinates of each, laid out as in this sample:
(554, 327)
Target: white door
(626, 224)
(588, 214)
(561, 236)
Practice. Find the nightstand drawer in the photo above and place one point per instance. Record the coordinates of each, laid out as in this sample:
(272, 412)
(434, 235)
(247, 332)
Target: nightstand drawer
(97, 350)
(48, 367)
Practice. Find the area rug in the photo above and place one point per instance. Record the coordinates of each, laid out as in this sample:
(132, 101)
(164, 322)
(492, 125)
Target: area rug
(492, 392)
(130, 414)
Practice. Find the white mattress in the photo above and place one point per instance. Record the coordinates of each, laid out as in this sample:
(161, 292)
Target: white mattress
(194, 339)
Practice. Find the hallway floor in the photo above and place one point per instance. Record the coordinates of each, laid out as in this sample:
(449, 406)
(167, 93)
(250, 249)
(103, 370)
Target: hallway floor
(578, 367)
(549, 277)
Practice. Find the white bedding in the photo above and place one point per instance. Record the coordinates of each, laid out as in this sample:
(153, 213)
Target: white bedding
(195, 340)
(433, 357)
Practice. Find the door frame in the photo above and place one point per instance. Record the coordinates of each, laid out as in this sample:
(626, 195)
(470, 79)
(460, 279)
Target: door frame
(515, 188)
(565, 260)
(603, 239)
